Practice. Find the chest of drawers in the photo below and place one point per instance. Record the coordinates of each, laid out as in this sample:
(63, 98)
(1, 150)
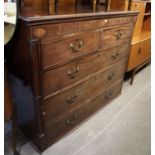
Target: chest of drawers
(64, 68)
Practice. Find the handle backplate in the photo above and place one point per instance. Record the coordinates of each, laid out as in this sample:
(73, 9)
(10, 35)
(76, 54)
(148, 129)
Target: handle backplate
(76, 46)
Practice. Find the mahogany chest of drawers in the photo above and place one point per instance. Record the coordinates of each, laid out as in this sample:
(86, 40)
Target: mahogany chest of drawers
(64, 68)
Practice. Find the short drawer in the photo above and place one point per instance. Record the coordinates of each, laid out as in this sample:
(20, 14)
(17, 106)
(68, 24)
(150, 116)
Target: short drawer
(61, 50)
(140, 53)
(60, 127)
(60, 77)
(49, 31)
(116, 37)
(62, 102)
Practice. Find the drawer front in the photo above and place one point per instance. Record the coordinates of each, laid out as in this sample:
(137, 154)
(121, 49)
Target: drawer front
(145, 49)
(60, 77)
(140, 53)
(65, 124)
(63, 102)
(116, 37)
(54, 30)
(62, 50)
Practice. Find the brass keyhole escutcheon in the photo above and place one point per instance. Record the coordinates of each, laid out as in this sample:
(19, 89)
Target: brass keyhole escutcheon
(139, 51)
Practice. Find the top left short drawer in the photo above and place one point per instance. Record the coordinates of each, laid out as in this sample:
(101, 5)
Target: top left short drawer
(65, 49)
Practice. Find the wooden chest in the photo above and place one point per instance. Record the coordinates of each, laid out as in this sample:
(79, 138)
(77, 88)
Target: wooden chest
(64, 68)
(140, 53)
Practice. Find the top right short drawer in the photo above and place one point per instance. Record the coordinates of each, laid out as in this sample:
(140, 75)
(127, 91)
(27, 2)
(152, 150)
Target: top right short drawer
(116, 36)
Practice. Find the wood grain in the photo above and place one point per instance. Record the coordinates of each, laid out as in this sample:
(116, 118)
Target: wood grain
(78, 94)
(62, 126)
(58, 78)
(60, 50)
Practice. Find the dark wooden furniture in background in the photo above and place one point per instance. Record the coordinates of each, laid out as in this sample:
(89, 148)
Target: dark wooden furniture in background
(64, 68)
(53, 7)
(140, 53)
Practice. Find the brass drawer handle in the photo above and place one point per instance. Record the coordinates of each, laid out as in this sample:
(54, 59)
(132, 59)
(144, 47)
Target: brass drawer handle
(72, 120)
(72, 73)
(110, 77)
(72, 99)
(114, 56)
(118, 35)
(76, 46)
(108, 94)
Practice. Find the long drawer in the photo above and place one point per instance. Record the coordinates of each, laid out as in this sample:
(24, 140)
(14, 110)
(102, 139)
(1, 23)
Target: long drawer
(63, 102)
(65, 124)
(64, 49)
(60, 77)
(49, 31)
(116, 36)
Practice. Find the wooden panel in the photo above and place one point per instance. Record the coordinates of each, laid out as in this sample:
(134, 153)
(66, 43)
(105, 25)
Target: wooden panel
(148, 7)
(138, 6)
(52, 7)
(133, 56)
(77, 95)
(70, 73)
(145, 47)
(126, 5)
(116, 37)
(66, 2)
(61, 50)
(146, 23)
(65, 124)
(140, 52)
(117, 6)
